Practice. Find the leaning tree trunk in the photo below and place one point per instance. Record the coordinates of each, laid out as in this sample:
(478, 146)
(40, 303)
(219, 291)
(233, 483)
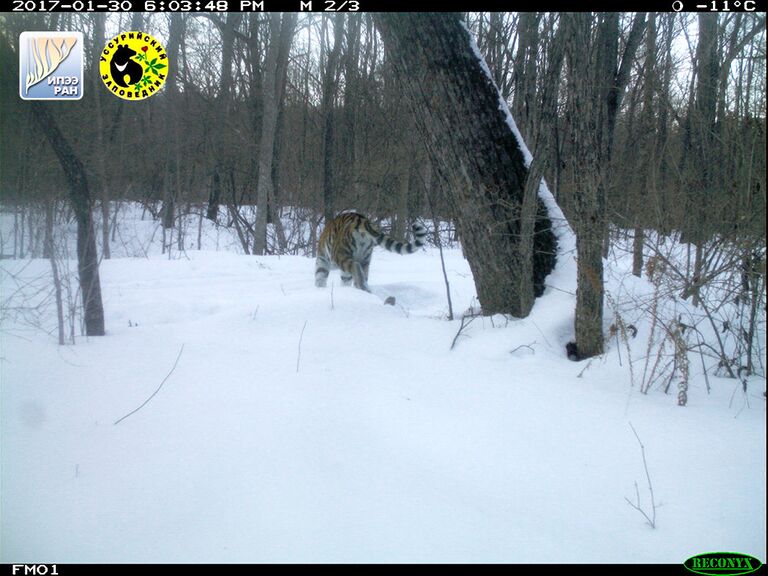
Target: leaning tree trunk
(459, 113)
(80, 199)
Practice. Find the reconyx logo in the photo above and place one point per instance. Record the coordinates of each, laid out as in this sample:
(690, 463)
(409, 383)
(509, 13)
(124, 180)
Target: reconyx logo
(133, 65)
(51, 65)
(717, 563)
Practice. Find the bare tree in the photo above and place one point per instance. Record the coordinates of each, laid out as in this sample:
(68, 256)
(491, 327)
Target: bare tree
(172, 170)
(228, 30)
(596, 83)
(102, 154)
(273, 70)
(647, 141)
(540, 115)
(330, 77)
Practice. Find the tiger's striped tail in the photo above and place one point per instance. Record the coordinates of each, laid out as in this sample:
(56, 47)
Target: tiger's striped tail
(392, 245)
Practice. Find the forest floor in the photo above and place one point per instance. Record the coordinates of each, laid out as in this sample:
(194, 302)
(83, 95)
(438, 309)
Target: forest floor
(297, 424)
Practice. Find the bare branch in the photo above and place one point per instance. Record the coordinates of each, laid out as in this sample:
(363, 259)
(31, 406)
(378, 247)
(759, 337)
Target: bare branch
(155, 392)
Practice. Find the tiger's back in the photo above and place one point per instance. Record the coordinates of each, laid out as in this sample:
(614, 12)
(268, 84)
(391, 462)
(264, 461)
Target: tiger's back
(347, 243)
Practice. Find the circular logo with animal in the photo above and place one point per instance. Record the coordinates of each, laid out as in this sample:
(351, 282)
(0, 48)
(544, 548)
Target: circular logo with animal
(133, 65)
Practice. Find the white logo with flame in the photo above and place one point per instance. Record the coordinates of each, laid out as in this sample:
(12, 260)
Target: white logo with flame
(41, 55)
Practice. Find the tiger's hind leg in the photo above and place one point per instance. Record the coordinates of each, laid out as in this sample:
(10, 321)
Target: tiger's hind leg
(366, 267)
(351, 269)
(322, 269)
(361, 277)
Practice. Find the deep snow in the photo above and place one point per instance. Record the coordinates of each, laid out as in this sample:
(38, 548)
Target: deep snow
(319, 425)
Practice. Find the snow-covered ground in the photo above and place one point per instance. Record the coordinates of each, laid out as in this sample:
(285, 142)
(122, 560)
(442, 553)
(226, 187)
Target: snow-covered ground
(320, 425)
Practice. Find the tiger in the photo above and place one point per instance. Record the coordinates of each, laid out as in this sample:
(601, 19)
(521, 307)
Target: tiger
(347, 242)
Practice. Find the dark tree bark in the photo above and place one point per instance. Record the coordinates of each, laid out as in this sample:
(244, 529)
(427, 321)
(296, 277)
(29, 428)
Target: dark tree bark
(80, 199)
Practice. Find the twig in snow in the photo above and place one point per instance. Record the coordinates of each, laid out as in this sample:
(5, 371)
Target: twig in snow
(529, 346)
(298, 356)
(466, 320)
(703, 364)
(540, 332)
(589, 363)
(740, 385)
(650, 519)
(156, 391)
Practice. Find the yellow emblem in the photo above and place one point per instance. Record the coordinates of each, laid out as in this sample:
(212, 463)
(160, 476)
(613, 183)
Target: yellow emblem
(133, 65)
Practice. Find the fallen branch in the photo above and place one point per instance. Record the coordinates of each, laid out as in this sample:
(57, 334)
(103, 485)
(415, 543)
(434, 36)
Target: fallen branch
(155, 392)
(529, 346)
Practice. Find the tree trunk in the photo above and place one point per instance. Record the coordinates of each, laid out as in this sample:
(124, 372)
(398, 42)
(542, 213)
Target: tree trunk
(222, 110)
(662, 129)
(648, 146)
(637, 251)
(329, 97)
(703, 133)
(103, 153)
(353, 99)
(541, 115)
(525, 73)
(459, 113)
(272, 72)
(275, 203)
(80, 199)
(49, 251)
(171, 186)
(595, 91)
